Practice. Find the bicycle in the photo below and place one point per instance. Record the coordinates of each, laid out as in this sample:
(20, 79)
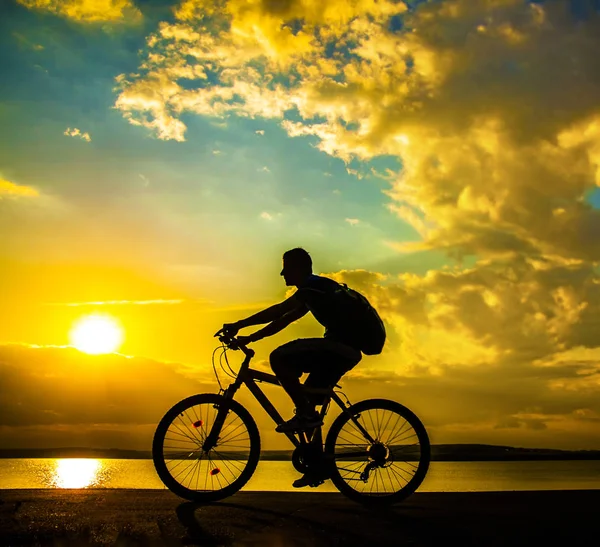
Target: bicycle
(207, 446)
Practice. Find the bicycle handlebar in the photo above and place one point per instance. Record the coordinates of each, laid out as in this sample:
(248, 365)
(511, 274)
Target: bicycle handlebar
(232, 343)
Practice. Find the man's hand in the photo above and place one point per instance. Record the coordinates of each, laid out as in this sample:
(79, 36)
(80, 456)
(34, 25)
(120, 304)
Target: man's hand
(230, 329)
(244, 340)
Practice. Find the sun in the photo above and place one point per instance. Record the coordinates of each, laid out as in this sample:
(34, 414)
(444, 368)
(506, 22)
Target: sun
(96, 334)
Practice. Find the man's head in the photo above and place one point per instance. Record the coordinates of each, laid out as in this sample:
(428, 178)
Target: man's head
(297, 266)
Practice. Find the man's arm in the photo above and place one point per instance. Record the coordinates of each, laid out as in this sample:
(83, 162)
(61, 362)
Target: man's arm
(278, 324)
(271, 314)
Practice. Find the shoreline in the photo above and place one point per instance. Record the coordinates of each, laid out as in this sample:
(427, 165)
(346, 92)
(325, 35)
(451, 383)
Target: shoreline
(288, 458)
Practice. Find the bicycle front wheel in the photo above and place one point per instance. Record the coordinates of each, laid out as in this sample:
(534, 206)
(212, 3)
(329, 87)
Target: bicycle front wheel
(193, 473)
(385, 468)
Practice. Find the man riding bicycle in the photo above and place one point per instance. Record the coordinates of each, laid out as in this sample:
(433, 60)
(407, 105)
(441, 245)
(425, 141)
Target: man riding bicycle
(326, 359)
(374, 442)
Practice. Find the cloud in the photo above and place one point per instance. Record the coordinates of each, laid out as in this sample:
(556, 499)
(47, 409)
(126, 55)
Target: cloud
(77, 133)
(10, 189)
(77, 388)
(25, 43)
(260, 132)
(488, 168)
(266, 216)
(465, 148)
(254, 37)
(264, 169)
(507, 339)
(352, 221)
(497, 161)
(89, 11)
(354, 172)
(117, 303)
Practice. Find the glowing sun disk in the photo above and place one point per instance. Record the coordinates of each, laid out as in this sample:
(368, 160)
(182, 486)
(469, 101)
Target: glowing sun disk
(96, 334)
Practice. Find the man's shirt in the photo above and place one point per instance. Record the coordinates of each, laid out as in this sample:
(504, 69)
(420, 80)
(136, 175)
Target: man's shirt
(317, 295)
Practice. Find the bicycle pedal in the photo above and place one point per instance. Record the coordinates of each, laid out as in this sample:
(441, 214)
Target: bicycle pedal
(301, 483)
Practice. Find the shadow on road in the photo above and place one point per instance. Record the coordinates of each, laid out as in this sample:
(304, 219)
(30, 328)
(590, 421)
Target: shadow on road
(220, 523)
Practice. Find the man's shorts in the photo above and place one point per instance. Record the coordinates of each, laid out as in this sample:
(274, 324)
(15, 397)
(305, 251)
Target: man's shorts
(325, 360)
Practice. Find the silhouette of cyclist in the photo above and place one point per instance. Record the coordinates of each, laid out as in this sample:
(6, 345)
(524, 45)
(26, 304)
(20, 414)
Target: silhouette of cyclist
(326, 359)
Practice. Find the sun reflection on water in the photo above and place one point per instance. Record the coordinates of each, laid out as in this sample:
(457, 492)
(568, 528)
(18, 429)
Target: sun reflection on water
(76, 473)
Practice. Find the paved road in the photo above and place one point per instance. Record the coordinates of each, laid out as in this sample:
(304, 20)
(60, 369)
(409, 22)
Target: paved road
(155, 517)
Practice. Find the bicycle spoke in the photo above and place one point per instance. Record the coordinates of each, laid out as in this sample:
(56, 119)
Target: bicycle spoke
(349, 470)
(386, 464)
(202, 429)
(401, 479)
(358, 435)
(193, 468)
(372, 425)
(387, 441)
(229, 438)
(195, 433)
(391, 438)
(405, 435)
(229, 462)
(349, 442)
(179, 455)
(182, 471)
(231, 432)
(181, 461)
(173, 432)
(206, 477)
(183, 432)
(388, 421)
(389, 478)
(378, 423)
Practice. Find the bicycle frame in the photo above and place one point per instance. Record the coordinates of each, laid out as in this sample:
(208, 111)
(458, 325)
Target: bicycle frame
(250, 377)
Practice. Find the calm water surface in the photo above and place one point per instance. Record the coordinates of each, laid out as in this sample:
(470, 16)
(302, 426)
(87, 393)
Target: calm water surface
(278, 476)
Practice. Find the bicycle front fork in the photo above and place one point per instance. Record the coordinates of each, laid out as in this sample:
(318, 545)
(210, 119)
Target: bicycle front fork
(223, 409)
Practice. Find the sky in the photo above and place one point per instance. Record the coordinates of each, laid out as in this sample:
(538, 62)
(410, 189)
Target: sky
(440, 156)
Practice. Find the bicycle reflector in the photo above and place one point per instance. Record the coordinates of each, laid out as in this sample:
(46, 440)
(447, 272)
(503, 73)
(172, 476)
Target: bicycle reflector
(215, 471)
(198, 424)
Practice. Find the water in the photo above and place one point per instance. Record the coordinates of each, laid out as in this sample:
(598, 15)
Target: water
(279, 475)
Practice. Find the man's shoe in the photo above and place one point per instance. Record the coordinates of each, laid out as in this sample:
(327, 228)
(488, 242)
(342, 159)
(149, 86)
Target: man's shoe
(308, 480)
(300, 423)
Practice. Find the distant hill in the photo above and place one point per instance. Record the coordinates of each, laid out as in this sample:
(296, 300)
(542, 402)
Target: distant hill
(486, 452)
(439, 452)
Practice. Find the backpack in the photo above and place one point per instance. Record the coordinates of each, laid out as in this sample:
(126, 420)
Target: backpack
(363, 320)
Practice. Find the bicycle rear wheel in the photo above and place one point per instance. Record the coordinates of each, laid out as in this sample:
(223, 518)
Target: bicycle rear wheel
(384, 471)
(189, 471)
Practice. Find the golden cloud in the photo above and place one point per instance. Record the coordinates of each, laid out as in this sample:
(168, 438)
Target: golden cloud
(516, 312)
(10, 189)
(75, 132)
(491, 107)
(161, 302)
(89, 11)
(497, 159)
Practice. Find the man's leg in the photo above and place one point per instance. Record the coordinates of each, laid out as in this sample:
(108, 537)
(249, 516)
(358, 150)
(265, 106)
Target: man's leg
(335, 360)
(286, 363)
(331, 361)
